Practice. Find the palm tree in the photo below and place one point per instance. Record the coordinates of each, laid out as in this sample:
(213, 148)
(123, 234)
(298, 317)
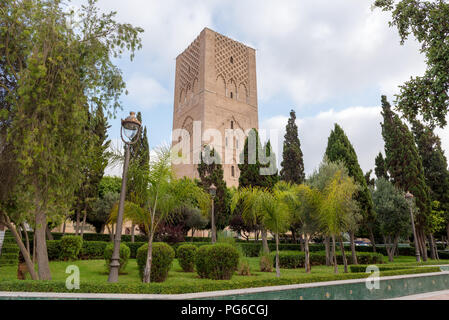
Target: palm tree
(166, 197)
(263, 203)
(303, 205)
(339, 210)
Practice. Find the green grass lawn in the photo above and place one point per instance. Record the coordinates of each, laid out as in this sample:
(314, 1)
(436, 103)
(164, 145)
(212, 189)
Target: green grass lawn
(94, 271)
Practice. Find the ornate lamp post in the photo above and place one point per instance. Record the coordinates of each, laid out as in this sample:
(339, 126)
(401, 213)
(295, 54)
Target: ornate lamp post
(129, 133)
(409, 198)
(213, 192)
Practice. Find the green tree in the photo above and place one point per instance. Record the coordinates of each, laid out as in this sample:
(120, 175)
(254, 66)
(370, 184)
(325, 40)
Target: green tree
(292, 159)
(435, 167)
(211, 172)
(264, 202)
(339, 211)
(405, 167)
(393, 215)
(381, 167)
(59, 72)
(167, 196)
(257, 169)
(96, 160)
(302, 203)
(426, 21)
(339, 148)
(320, 179)
(137, 185)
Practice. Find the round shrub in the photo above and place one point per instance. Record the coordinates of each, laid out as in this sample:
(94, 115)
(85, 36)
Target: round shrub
(186, 257)
(124, 256)
(70, 247)
(200, 260)
(162, 258)
(218, 261)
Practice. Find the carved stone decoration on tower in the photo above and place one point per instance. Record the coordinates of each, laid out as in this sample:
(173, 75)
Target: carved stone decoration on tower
(215, 102)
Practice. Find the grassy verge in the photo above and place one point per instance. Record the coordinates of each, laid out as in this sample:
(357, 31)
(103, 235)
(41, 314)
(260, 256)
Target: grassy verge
(93, 278)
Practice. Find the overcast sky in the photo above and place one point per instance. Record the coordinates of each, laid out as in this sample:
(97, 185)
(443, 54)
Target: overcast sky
(328, 60)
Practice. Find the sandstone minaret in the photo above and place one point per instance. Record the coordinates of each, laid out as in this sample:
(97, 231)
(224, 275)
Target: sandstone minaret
(215, 88)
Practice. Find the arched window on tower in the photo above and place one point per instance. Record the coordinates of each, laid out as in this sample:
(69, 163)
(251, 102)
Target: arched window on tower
(232, 171)
(232, 124)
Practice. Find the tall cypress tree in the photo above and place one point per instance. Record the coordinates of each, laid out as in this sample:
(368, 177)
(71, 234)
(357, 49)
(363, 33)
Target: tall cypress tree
(339, 148)
(435, 165)
(292, 163)
(213, 174)
(381, 167)
(253, 172)
(405, 167)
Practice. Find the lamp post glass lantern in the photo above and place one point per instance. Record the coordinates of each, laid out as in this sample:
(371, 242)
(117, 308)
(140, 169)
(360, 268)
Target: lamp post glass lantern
(409, 197)
(213, 193)
(129, 133)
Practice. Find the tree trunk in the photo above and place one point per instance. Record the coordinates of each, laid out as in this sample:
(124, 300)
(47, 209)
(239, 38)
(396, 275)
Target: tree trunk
(328, 251)
(354, 254)
(23, 250)
(371, 236)
(27, 239)
(84, 222)
(342, 248)
(422, 240)
(133, 226)
(48, 233)
(432, 247)
(334, 255)
(64, 226)
(77, 225)
(41, 246)
(447, 234)
(388, 248)
(147, 272)
(278, 270)
(307, 254)
(265, 247)
(34, 247)
(292, 230)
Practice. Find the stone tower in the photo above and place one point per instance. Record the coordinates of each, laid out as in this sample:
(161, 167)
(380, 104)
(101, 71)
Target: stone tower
(215, 102)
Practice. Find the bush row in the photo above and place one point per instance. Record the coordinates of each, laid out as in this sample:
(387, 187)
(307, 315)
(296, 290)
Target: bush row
(162, 257)
(95, 249)
(176, 288)
(296, 259)
(10, 251)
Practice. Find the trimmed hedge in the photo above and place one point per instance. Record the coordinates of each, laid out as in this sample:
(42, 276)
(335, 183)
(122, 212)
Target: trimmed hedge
(123, 253)
(9, 255)
(162, 258)
(176, 288)
(296, 259)
(186, 257)
(70, 247)
(218, 261)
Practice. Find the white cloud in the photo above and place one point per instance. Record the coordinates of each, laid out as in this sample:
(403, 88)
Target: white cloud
(147, 92)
